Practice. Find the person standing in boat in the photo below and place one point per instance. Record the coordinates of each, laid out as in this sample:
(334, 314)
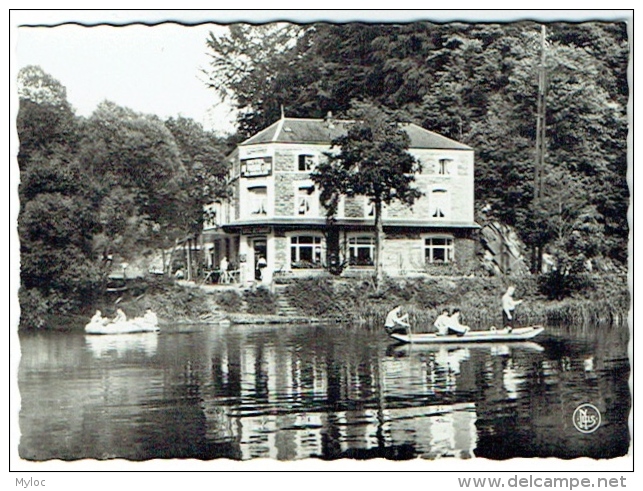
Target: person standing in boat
(509, 307)
(454, 325)
(442, 323)
(396, 322)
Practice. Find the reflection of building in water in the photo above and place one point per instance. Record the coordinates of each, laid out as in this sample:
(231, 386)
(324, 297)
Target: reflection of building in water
(435, 431)
(291, 404)
(431, 370)
(121, 345)
(264, 411)
(511, 379)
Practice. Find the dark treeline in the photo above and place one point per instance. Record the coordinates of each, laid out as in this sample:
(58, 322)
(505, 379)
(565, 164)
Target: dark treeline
(124, 183)
(115, 184)
(476, 83)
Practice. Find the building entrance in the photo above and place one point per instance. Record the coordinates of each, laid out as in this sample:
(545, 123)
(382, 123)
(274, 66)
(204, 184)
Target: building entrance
(261, 257)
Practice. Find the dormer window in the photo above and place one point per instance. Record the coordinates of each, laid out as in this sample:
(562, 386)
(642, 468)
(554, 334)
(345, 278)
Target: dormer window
(444, 166)
(306, 162)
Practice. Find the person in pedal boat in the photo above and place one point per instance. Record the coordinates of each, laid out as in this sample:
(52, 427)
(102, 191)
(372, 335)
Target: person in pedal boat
(150, 317)
(508, 308)
(120, 316)
(454, 326)
(396, 322)
(99, 319)
(442, 323)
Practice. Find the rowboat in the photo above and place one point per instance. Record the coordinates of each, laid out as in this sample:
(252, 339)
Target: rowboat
(100, 325)
(492, 335)
(494, 347)
(126, 327)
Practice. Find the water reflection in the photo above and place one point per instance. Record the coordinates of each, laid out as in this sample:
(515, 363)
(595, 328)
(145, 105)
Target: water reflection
(119, 345)
(328, 392)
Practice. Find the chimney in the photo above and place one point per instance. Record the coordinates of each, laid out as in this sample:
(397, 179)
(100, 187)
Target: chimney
(329, 120)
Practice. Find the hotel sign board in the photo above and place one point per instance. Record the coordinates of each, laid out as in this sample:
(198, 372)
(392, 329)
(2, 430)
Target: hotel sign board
(256, 166)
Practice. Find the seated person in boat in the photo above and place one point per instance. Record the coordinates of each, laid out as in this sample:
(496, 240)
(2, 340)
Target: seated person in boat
(120, 316)
(442, 323)
(454, 325)
(99, 319)
(150, 317)
(395, 322)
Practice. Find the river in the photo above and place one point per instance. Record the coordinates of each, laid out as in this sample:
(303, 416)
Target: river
(329, 392)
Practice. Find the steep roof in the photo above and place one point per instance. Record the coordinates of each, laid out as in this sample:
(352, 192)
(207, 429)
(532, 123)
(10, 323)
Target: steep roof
(320, 131)
(421, 138)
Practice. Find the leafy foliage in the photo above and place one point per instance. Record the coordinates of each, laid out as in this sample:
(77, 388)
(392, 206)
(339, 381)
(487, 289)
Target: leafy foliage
(476, 83)
(260, 301)
(372, 161)
(118, 181)
(202, 158)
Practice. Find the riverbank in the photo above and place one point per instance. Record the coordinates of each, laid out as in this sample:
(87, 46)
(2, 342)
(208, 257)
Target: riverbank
(354, 300)
(478, 298)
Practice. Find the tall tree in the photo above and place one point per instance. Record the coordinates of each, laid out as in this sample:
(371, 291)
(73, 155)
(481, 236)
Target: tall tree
(136, 160)
(372, 161)
(244, 64)
(58, 202)
(202, 155)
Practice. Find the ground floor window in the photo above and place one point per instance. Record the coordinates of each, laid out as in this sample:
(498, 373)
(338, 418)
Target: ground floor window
(438, 250)
(305, 252)
(361, 251)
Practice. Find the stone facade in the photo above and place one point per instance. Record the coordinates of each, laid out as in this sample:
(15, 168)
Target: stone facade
(282, 253)
(354, 207)
(274, 200)
(285, 190)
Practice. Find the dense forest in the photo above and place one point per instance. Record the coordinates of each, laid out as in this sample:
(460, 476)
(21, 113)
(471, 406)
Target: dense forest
(132, 183)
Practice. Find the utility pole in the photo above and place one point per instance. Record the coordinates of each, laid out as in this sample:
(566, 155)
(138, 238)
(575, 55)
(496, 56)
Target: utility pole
(541, 141)
(541, 125)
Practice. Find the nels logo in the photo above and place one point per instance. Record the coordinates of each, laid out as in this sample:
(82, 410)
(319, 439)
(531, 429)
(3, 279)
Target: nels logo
(586, 418)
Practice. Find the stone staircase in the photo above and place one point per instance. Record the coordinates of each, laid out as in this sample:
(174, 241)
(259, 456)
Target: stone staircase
(284, 308)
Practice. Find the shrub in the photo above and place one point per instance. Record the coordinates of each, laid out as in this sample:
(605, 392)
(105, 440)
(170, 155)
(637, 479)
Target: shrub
(260, 301)
(34, 308)
(558, 286)
(317, 297)
(229, 300)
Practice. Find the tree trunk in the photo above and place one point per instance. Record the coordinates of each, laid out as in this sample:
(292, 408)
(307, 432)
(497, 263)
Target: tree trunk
(169, 263)
(189, 260)
(379, 237)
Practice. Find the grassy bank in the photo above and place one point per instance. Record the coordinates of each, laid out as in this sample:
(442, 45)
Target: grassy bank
(355, 300)
(478, 298)
(172, 302)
